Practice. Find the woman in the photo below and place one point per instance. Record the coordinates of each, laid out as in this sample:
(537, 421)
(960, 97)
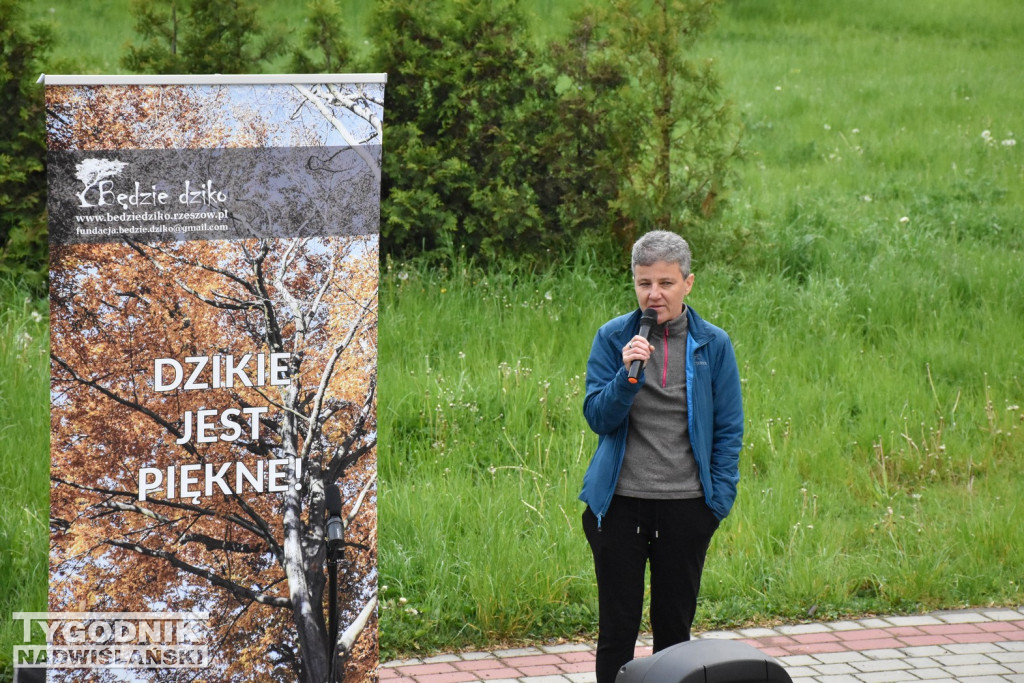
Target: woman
(667, 461)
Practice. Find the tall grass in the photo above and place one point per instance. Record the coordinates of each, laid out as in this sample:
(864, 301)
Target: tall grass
(876, 310)
(879, 470)
(24, 462)
(482, 446)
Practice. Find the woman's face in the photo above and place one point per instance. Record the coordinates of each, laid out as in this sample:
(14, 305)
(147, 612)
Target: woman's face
(661, 286)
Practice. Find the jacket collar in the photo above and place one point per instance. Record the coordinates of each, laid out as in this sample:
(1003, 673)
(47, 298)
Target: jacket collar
(697, 327)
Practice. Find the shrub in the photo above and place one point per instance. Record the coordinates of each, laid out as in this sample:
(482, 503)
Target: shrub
(23, 236)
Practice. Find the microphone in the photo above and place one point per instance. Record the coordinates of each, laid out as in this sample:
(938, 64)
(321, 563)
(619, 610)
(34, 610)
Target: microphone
(335, 542)
(335, 529)
(648, 320)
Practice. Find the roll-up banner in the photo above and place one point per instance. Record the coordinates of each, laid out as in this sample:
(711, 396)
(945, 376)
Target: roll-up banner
(214, 271)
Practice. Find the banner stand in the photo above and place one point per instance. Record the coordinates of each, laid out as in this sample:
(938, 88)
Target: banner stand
(214, 274)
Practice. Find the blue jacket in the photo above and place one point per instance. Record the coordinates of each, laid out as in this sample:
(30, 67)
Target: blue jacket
(713, 403)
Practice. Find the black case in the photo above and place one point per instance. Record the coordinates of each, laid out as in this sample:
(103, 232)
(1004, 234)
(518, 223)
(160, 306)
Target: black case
(705, 661)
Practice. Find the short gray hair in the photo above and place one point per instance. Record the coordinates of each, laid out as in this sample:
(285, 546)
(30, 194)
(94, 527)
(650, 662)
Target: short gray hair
(661, 245)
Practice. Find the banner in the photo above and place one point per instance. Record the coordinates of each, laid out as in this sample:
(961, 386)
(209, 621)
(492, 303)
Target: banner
(214, 272)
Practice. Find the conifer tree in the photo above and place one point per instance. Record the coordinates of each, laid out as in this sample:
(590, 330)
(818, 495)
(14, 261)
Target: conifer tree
(324, 47)
(674, 97)
(199, 37)
(461, 170)
(23, 237)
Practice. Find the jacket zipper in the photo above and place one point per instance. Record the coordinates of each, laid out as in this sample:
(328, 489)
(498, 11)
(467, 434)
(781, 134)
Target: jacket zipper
(664, 367)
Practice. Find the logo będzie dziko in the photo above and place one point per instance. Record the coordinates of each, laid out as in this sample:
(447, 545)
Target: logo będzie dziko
(114, 640)
(99, 190)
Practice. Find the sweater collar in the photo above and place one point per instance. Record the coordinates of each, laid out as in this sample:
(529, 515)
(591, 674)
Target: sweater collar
(676, 326)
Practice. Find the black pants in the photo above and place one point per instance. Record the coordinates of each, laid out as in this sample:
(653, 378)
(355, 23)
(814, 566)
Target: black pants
(674, 536)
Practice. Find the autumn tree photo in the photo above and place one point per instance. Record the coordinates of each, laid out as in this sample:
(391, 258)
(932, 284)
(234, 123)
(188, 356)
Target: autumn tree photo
(206, 394)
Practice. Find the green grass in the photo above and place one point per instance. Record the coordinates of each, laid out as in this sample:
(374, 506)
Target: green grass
(879, 474)
(24, 462)
(482, 447)
(877, 310)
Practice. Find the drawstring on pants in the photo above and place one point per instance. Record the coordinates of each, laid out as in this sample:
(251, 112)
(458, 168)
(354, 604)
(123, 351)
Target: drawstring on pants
(657, 524)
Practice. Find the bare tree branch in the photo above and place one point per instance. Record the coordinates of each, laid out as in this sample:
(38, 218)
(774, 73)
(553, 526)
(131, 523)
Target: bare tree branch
(359, 501)
(325, 379)
(351, 634)
(128, 507)
(216, 544)
(181, 285)
(339, 464)
(355, 105)
(245, 284)
(343, 455)
(169, 426)
(234, 519)
(215, 579)
(326, 112)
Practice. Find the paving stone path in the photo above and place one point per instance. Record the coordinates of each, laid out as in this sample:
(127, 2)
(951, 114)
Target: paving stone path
(973, 646)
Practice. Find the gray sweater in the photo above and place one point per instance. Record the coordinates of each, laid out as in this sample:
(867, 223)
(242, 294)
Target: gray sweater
(659, 462)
